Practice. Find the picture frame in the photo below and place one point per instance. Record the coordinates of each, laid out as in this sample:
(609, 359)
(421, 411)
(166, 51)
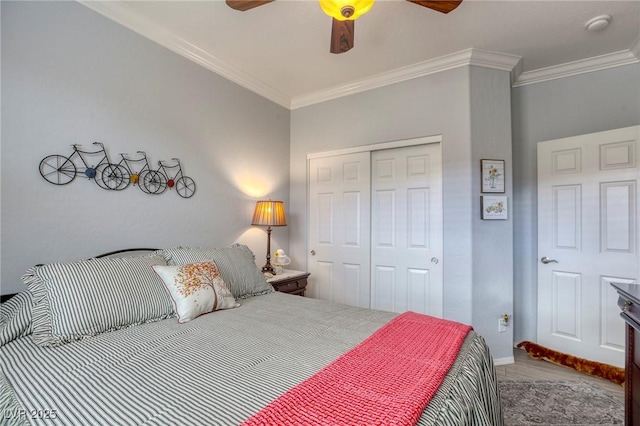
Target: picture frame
(492, 176)
(494, 207)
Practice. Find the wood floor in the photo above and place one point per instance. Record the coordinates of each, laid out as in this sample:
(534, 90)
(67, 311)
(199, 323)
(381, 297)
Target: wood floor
(526, 368)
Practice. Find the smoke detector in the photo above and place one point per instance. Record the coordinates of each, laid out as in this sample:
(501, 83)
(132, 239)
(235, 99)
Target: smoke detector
(598, 23)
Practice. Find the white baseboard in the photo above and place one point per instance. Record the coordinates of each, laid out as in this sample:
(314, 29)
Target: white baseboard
(503, 361)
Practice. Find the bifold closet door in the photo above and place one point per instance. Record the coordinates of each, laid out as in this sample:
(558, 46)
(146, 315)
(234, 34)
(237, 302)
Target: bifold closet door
(339, 228)
(406, 232)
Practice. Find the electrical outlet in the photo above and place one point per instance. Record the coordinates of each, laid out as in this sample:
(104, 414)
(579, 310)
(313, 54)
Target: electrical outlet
(505, 319)
(502, 326)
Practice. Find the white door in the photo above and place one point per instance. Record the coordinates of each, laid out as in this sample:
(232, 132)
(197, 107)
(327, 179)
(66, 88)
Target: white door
(339, 228)
(588, 232)
(406, 219)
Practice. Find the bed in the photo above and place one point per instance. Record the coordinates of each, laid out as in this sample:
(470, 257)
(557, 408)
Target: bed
(153, 367)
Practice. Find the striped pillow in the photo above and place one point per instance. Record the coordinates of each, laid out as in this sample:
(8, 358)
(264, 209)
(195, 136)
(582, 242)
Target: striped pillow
(15, 317)
(86, 298)
(236, 265)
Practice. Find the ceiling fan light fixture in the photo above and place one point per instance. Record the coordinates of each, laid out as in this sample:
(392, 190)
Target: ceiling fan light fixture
(343, 10)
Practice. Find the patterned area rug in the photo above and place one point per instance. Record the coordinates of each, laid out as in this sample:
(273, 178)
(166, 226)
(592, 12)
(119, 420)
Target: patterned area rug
(559, 403)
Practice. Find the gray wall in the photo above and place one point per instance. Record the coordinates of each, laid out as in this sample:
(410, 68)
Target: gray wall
(492, 239)
(70, 75)
(571, 106)
(438, 104)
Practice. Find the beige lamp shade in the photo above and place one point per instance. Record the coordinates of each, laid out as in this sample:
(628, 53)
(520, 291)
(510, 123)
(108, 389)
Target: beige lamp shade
(269, 213)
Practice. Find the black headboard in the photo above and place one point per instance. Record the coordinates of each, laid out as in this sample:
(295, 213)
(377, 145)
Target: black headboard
(117, 253)
(5, 297)
(126, 252)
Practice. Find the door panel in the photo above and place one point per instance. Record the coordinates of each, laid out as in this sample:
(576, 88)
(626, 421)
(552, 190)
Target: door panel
(611, 334)
(419, 290)
(339, 228)
(567, 216)
(567, 295)
(323, 271)
(418, 212)
(617, 210)
(325, 218)
(407, 229)
(587, 224)
(352, 213)
(382, 293)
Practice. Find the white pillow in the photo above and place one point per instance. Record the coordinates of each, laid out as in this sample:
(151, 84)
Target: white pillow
(196, 289)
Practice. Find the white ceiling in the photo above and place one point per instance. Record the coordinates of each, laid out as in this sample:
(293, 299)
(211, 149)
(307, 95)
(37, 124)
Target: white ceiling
(281, 50)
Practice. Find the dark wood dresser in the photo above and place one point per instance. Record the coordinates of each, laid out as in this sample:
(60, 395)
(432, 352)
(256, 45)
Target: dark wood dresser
(629, 303)
(293, 282)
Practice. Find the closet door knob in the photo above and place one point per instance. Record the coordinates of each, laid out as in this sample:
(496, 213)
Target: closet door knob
(434, 260)
(313, 252)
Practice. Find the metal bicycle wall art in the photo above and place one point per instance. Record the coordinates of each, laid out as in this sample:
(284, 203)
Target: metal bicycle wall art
(61, 170)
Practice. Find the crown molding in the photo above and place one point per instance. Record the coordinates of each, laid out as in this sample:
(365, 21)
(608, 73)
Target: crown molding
(119, 12)
(597, 63)
(479, 57)
(635, 47)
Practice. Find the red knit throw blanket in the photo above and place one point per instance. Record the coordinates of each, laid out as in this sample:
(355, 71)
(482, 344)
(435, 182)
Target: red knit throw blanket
(388, 379)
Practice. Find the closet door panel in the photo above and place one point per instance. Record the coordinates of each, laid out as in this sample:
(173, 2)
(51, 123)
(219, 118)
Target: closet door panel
(339, 228)
(406, 216)
(375, 229)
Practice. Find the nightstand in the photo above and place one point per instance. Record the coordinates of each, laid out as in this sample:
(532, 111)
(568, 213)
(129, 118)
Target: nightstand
(292, 282)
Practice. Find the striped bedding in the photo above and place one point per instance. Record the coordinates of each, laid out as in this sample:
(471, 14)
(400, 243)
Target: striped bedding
(218, 369)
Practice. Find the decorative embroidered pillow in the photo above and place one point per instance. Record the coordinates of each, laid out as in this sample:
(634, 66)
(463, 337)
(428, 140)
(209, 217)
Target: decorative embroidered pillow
(196, 289)
(15, 317)
(74, 300)
(236, 264)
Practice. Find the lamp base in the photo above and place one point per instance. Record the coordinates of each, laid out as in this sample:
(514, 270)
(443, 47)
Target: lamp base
(268, 269)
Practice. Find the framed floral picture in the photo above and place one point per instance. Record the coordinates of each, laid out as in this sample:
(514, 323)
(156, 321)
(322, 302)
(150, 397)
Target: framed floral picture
(492, 176)
(494, 207)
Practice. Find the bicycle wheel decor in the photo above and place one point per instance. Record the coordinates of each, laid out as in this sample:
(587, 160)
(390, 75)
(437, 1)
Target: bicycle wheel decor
(153, 182)
(58, 169)
(95, 165)
(113, 176)
(185, 187)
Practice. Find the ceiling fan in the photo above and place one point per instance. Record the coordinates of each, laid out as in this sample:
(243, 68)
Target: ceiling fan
(344, 13)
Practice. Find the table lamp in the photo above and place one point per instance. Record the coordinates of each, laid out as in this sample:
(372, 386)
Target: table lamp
(269, 213)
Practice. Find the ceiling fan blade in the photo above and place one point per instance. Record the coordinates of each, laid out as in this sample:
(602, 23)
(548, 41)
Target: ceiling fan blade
(444, 6)
(243, 5)
(341, 36)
